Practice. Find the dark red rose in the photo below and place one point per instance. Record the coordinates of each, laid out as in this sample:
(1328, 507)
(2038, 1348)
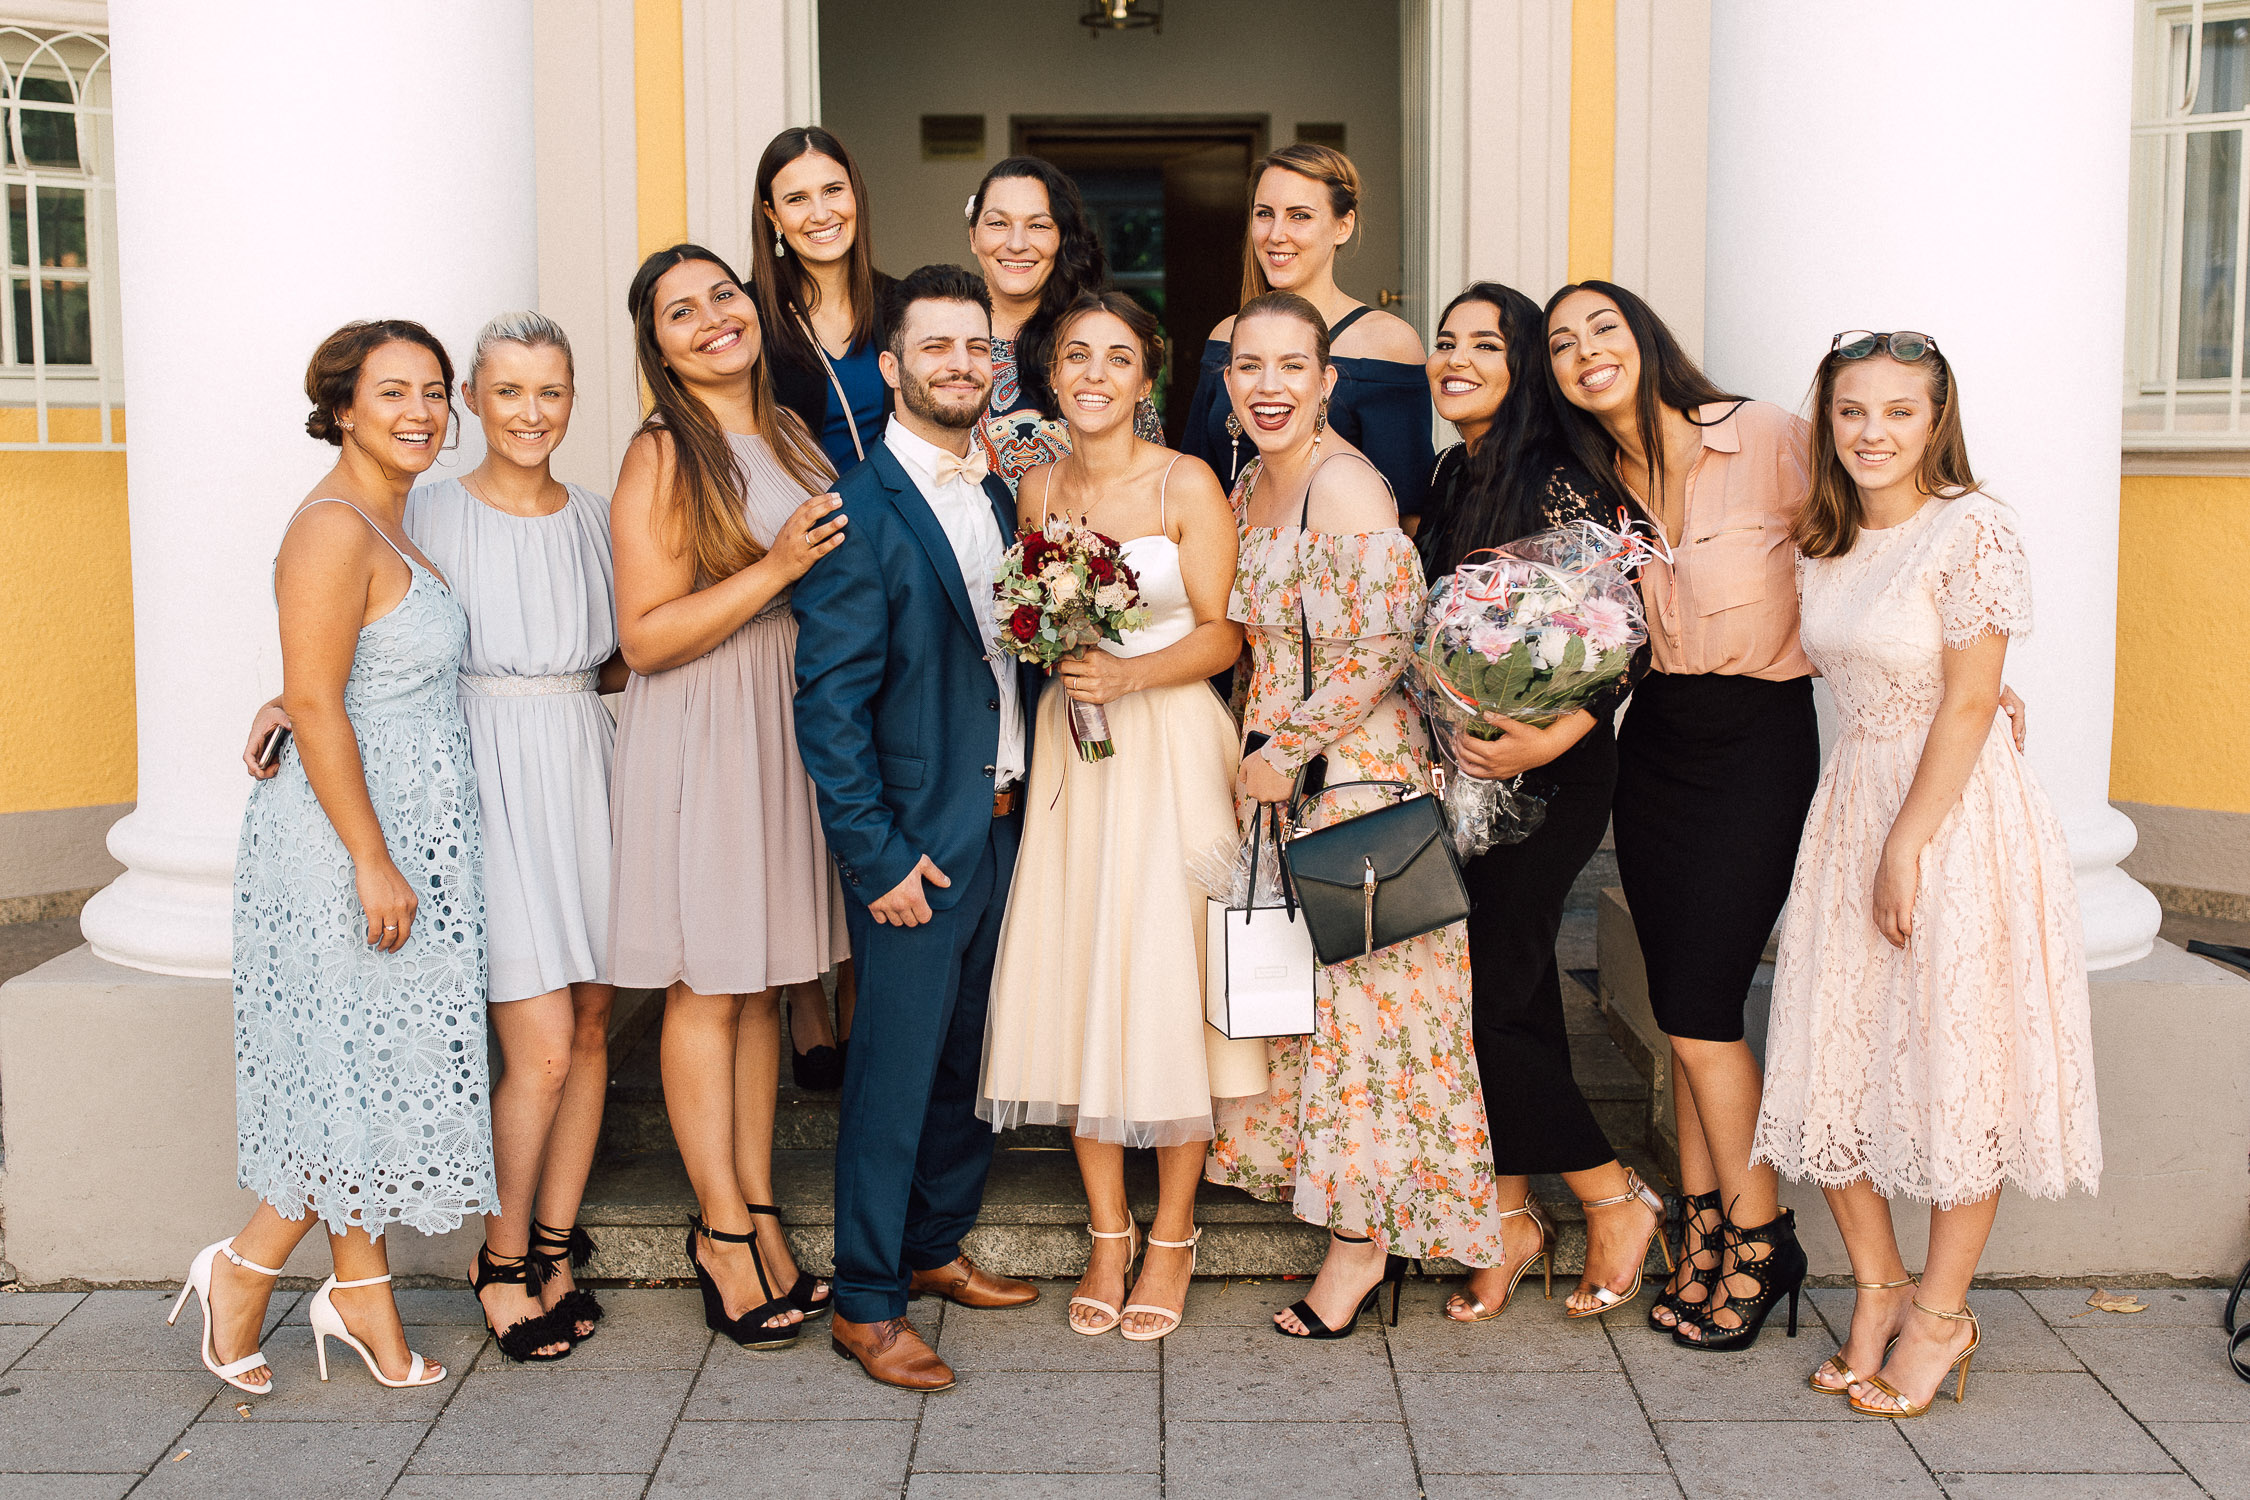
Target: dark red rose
(1103, 570)
(1035, 550)
(1024, 623)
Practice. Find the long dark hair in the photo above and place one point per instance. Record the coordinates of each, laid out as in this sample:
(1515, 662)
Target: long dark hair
(1668, 377)
(784, 289)
(1080, 266)
(1496, 499)
(1829, 523)
(707, 496)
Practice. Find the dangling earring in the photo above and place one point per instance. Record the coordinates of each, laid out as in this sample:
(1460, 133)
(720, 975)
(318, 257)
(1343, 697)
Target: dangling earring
(1320, 419)
(780, 246)
(1234, 446)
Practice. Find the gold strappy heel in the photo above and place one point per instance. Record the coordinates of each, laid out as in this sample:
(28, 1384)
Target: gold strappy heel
(1836, 1361)
(1906, 1408)
(1544, 1255)
(1604, 1298)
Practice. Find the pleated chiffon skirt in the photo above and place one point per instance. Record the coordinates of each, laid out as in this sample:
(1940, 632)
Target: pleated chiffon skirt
(722, 876)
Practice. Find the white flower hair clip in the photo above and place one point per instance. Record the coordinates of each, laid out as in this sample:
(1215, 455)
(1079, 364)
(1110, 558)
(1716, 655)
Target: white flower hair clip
(969, 209)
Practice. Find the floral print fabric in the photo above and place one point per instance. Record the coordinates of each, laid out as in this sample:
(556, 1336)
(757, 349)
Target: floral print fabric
(360, 1084)
(1374, 1123)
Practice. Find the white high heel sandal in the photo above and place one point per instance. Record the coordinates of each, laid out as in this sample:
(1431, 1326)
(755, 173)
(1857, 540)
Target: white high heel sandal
(1111, 1315)
(1188, 1245)
(199, 1282)
(327, 1323)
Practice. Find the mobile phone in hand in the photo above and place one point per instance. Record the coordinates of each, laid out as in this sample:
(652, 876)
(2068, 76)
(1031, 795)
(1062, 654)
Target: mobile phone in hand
(269, 755)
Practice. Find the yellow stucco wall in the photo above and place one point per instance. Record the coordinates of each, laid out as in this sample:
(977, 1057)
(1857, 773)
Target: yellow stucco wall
(659, 123)
(1593, 138)
(66, 631)
(2183, 642)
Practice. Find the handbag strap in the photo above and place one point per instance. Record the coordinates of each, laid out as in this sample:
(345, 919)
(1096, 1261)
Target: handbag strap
(836, 382)
(1297, 808)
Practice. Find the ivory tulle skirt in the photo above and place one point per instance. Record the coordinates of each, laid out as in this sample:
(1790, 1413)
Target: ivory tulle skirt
(1097, 1001)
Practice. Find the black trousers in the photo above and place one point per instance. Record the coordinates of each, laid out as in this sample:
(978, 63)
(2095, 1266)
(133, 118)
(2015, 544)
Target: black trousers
(1714, 777)
(1540, 1121)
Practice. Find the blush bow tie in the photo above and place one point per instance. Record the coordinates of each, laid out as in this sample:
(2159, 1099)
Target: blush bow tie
(972, 469)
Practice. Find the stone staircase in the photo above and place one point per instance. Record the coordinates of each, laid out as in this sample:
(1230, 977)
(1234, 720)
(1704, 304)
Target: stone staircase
(638, 1202)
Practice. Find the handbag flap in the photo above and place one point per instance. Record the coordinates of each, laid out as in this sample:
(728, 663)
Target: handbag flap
(1392, 837)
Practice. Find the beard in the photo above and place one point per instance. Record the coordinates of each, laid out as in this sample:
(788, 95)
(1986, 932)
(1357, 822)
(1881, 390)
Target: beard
(924, 403)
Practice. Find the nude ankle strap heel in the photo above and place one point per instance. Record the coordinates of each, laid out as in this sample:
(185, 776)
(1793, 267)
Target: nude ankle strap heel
(1173, 1315)
(1111, 1316)
(327, 1323)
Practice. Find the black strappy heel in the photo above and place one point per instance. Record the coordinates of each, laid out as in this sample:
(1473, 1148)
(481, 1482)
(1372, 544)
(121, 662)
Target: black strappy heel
(749, 1330)
(522, 1341)
(1782, 1269)
(1680, 1215)
(800, 1294)
(1394, 1277)
(550, 1248)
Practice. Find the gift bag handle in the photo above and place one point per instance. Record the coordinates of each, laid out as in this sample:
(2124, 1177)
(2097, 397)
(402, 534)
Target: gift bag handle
(1288, 888)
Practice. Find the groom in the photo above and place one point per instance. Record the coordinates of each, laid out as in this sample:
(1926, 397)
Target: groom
(916, 733)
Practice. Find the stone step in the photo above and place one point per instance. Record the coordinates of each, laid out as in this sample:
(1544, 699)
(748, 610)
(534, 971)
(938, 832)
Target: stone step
(1033, 1223)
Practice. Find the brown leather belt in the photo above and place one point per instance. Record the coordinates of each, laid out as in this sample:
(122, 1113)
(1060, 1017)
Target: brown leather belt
(1004, 803)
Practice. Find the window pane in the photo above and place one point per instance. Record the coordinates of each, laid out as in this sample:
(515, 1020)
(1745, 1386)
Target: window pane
(62, 227)
(2208, 251)
(70, 324)
(50, 137)
(19, 231)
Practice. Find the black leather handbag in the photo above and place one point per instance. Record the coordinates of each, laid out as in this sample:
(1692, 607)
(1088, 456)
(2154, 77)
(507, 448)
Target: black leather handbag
(1380, 878)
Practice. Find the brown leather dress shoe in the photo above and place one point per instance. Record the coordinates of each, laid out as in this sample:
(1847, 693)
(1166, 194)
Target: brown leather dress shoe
(965, 1282)
(891, 1352)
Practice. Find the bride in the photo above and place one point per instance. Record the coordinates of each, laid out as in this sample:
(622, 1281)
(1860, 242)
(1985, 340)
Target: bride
(1097, 1000)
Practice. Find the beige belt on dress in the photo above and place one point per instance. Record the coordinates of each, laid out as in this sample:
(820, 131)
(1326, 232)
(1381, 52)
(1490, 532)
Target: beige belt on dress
(511, 686)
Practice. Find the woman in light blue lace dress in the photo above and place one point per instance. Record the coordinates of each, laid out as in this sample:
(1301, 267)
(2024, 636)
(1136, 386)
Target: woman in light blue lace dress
(359, 948)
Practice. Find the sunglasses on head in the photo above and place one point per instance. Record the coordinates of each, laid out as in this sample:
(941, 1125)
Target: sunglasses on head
(1858, 343)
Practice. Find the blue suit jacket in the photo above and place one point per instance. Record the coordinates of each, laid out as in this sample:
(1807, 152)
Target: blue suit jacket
(898, 716)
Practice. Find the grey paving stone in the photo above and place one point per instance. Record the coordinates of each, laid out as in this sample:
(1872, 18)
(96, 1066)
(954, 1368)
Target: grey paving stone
(1017, 1422)
(1766, 1380)
(66, 1486)
(1533, 1423)
(15, 1338)
(1531, 1333)
(555, 1422)
(2070, 1486)
(90, 1423)
(1037, 1337)
(2164, 1374)
(804, 1381)
(350, 1393)
(642, 1329)
(1253, 1374)
(2212, 1452)
(37, 1307)
(511, 1487)
(419, 1307)
(2015, 1336)
(2032, 1424)
(1246, 1303)
(229, 1459)
(2189, 1307)
(1312, 1460)
(1037, 1487)
(122, 1331)
(1549, 1487)
(1753, 1460)
(833, 1460)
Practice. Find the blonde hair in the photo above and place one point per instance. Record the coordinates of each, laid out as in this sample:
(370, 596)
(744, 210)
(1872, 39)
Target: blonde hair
(1322, 164)
(533, 330)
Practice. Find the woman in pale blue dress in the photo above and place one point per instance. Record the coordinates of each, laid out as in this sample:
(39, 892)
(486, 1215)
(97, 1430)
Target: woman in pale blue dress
(358, 911)
(528, 557)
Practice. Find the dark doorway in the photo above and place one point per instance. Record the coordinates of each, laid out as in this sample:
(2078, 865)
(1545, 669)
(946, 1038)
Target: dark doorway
(1167, 197)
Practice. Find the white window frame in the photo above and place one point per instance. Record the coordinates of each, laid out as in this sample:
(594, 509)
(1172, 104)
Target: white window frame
(80, 56)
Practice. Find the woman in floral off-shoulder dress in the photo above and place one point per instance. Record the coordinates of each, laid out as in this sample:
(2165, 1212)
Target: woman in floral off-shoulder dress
(1929, 1035)
(1373, 1126)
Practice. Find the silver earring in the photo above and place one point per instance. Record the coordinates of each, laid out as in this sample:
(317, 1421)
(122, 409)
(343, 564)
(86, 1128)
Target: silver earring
(780, 246)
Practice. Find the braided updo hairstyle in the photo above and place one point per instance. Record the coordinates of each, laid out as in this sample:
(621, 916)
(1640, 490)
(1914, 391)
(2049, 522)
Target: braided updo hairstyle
(332, 378)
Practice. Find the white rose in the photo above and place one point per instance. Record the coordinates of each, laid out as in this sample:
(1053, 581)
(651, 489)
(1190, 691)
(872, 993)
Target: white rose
(1547, 649)
(1065, 586)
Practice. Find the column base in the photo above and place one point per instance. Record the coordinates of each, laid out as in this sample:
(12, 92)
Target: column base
(2172, 1069)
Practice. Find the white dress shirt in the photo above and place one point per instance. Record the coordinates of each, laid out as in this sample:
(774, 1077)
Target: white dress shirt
(965, 511)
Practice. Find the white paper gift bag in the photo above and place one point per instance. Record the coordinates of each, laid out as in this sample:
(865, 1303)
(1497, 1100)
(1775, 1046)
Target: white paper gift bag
(1259, 971)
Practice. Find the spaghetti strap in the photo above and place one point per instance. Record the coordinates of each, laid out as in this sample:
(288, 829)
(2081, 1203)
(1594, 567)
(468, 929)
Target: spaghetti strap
(1163, 527)
(1336, 329)
(411, 565)
(1046, 489)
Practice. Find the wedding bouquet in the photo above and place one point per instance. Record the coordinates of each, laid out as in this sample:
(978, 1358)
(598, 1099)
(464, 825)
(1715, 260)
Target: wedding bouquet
(1060, 589)
(1531, 632)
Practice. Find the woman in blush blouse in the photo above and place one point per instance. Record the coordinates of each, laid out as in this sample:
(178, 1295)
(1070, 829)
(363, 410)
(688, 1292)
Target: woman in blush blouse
(1304, 208)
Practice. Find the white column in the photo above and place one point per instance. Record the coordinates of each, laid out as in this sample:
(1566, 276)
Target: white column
(281, 168)
(1958, 169)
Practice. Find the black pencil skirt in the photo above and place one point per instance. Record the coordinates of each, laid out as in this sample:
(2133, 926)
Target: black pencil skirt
(1714, 777)
(1540, 1122)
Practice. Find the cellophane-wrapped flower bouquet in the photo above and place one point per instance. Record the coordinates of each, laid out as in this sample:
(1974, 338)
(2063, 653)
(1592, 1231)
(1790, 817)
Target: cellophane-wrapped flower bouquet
(1061, 589)
(1530, 631)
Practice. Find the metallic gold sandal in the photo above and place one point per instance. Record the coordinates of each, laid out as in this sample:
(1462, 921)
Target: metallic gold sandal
(1544, 1255)
(1836, 1360)
(1906, 1408)
(1604, 1298)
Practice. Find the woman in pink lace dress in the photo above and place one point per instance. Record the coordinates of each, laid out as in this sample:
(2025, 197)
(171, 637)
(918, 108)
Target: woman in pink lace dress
(1929, 1036)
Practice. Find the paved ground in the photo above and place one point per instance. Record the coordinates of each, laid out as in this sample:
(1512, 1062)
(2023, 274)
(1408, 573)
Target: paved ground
(98, 1399)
